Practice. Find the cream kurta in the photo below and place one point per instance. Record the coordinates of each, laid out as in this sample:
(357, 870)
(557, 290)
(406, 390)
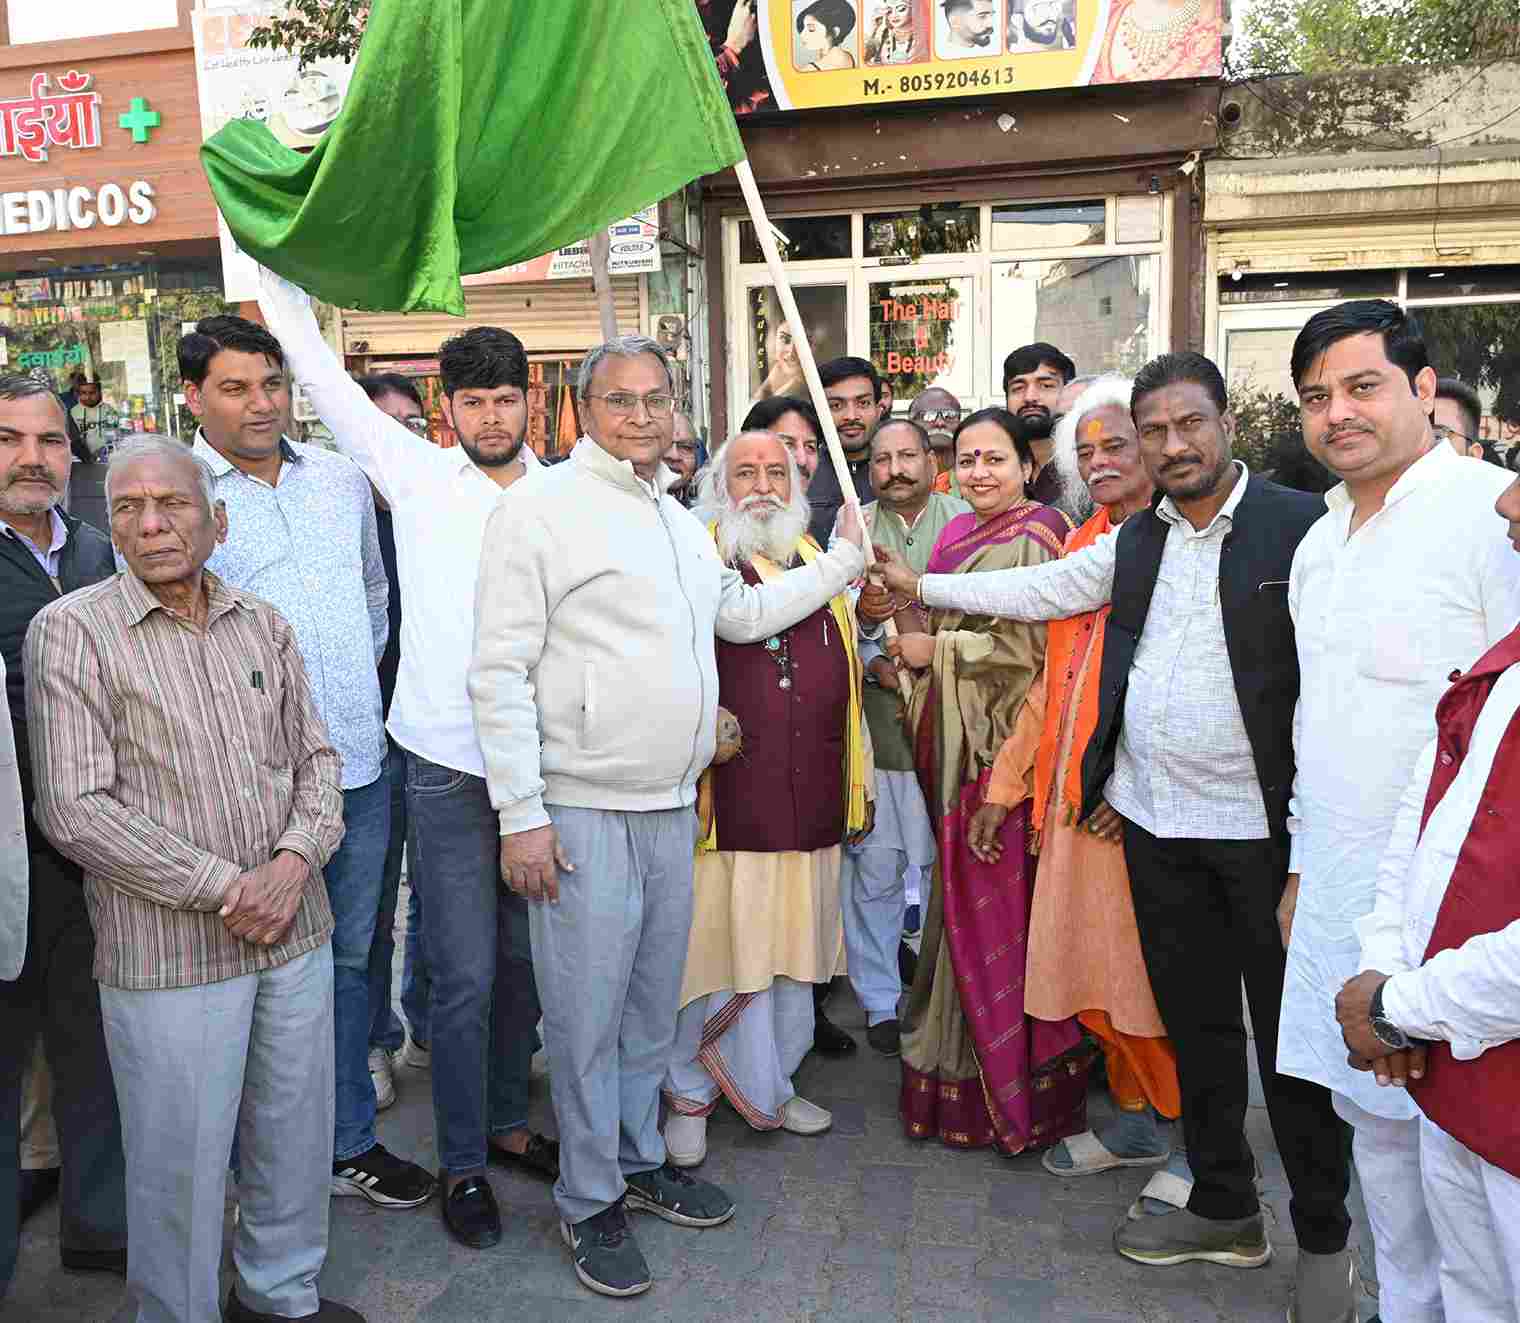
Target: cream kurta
(759, 916)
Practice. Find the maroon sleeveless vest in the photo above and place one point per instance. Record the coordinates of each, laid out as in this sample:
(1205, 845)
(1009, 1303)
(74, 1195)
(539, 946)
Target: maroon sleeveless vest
(1478, 1102)
(786, 790)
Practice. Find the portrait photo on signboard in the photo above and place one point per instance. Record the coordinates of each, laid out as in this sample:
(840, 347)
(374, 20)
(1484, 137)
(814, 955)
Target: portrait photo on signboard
(774, 366)
(1041, 25)
(733, 34)
(967, 29)
(827, 34)
(897, 31)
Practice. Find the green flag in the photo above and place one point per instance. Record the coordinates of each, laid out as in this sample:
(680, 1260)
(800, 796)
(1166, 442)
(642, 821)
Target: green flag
(478, 133)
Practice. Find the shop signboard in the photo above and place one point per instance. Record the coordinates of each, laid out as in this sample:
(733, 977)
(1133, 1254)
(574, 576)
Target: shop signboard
(633, 247)
(785, 55)
(237, 81)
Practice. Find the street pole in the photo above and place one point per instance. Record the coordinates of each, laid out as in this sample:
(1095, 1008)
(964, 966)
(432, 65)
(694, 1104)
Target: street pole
(804, 349)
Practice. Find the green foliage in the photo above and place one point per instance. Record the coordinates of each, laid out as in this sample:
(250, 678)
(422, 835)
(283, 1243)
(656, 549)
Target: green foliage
(1330, 36)
(316, 29)
(1480, 343)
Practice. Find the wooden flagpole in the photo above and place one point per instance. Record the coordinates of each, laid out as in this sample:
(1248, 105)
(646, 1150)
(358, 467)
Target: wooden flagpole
(804, 349)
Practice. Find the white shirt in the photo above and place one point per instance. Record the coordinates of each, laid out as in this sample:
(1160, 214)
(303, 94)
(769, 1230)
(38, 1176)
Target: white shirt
(1383, 615)
(1184, 766)
(440, 502)
(1468, 996)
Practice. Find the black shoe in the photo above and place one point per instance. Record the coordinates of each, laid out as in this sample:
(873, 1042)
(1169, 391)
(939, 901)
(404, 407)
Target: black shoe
(907, 964)
(470, 1212)
(885, 1038)
(76, 1260)
(671, 1193)
(540, 1158)
(829, 1040)
(328, 1311)
(37, 1187)
(606, 1256)
(384, 1179)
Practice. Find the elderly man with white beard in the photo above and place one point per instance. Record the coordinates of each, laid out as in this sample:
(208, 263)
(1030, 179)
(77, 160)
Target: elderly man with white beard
(766, 921)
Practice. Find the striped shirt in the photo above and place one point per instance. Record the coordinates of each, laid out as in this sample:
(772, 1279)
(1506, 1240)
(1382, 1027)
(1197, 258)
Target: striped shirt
(169, 761)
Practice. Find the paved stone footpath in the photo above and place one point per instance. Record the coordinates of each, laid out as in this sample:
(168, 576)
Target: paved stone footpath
(858, 1224)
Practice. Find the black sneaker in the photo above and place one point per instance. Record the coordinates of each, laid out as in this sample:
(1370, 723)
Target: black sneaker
(670, 1193)
(885, 1038)
(382, 1178)
(605, 1254)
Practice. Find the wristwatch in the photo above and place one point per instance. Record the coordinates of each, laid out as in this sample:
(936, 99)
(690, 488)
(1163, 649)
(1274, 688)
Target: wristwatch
(1388, 1033)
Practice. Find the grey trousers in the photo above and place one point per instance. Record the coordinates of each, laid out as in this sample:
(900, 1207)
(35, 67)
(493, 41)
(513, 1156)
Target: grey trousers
(609, 957)
(251, 1056)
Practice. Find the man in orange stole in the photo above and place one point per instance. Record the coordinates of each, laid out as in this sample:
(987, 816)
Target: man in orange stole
(766, 923)
(1084, 949)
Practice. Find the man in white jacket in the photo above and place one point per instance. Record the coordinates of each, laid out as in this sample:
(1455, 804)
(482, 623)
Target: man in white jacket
(595, 690)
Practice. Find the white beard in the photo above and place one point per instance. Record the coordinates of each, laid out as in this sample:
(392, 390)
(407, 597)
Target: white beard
(761, 527)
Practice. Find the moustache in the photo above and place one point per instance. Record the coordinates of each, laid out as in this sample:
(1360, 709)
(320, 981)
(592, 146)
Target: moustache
(759, 503)
(900, 482)
(31, 475)
(1100, 475)
(1349, 430)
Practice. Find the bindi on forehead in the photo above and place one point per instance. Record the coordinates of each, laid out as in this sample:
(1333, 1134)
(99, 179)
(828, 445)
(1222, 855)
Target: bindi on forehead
(1092, 429)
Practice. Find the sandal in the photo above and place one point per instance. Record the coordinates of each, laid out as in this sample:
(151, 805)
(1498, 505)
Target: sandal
(1090, 1155)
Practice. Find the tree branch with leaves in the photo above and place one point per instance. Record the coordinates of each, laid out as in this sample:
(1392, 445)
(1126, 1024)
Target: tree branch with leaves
(315, 30)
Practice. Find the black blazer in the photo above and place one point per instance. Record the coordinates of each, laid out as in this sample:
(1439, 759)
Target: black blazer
(25, 589)
(1268, 525)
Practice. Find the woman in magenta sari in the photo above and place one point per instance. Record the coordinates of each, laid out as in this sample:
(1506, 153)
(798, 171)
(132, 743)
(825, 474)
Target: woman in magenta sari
(976, 1069)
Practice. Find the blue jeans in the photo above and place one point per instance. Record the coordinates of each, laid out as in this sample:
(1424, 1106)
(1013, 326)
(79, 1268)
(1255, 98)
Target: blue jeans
(385, 1028)
(353, 878)
(484, 1002)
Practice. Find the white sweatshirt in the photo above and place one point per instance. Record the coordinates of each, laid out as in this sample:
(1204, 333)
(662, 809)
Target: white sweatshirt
(594, 680)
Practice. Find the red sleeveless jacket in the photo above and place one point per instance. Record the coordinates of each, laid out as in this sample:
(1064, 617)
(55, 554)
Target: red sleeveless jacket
(1478, 1102)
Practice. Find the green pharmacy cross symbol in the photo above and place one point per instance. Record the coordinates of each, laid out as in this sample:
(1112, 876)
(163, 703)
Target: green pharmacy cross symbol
(140, 120)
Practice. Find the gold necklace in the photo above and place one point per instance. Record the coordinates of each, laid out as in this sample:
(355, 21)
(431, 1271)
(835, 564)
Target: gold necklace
(1150, 45)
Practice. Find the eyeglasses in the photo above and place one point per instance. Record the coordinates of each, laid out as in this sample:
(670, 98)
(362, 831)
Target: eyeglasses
(929, 419)
(1445, 433)
(625, 404)
(418, 425)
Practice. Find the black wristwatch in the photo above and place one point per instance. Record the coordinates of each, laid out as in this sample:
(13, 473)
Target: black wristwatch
(1388, 1033)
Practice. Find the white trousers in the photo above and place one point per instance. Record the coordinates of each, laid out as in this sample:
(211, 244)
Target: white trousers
(1387, 1157)
(754, 1058)
(1475, 1208)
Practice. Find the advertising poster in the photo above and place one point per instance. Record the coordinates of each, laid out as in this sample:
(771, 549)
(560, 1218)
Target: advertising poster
(237, 81)
(780, 55)
(634, 247)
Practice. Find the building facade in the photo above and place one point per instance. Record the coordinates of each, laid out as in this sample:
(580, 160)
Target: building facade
(108, 241)
(1396, 183)
(934, 221)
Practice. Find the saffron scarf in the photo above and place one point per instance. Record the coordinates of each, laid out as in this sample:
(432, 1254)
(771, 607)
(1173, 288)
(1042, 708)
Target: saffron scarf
(1063, 638)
